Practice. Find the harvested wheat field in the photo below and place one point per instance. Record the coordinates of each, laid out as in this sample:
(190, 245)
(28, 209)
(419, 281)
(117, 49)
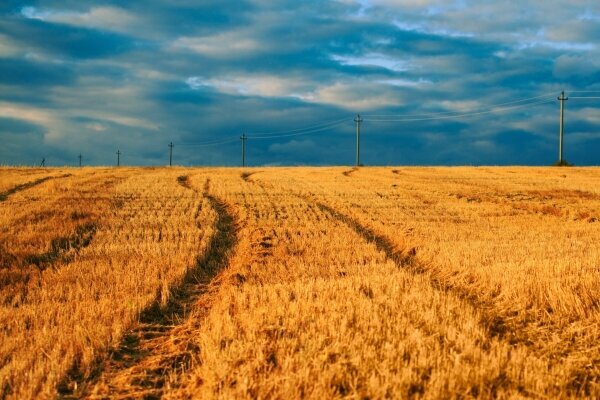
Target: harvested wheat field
(288, 283)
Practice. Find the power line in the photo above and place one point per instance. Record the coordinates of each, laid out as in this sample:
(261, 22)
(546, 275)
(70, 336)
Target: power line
(273, 135)
(233, 139)
(514, 104)
(463, 115)
(326, 124)
(459, 114)
(300, 133)
(468, 110)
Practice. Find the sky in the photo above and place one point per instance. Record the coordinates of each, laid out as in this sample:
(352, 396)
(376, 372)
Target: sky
(435, 82)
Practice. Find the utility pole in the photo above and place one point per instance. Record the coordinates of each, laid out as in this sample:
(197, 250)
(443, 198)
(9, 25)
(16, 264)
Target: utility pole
(79, 160)
(170, 154)
(562, 99)
(244, 138)
(358, 121)
(118, 158)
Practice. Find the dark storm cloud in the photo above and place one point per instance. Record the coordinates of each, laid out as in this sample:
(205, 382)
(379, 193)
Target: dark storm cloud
(18, 127)
(95, 76)
(26, 73)
(67, 41)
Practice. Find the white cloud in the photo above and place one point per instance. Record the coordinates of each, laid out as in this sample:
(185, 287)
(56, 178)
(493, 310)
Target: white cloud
(354, 96)
(30, 114)
(105, 18)
(95, 126)
(221, 46)
(8, 47)
(589, 16)
(34, 13)
(403, 4)
(261, 85)
(422, 27)
(461, 106)
(373, 60)
(50, 120)
(405, 82)
(567, 66)
(121, 120)
(556, 45)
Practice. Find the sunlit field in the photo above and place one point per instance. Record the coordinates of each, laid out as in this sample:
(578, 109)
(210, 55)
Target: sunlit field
(300, 283)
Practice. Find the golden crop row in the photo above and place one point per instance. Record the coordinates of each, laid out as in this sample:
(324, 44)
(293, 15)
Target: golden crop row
(72, 311)
(376, 282)
(318, 311)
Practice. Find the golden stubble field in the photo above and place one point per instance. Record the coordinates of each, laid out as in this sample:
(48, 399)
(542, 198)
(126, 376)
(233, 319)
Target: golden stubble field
(300, 283)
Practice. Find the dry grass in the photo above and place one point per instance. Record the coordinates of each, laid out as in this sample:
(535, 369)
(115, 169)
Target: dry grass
(17, 179)
(149, 231)
(364, 283)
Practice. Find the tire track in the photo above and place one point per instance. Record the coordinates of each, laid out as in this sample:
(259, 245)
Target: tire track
(496, 325)
(4, 195)
(510, 330)
(406, 258)
(19, 270)
(159, 348)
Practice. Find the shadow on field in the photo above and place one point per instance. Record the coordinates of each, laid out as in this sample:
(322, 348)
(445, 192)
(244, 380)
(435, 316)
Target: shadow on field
(151, 353)
(350, 171)
(246, 175)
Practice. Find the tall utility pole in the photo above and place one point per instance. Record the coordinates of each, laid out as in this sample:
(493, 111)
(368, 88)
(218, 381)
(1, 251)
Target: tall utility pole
(170, 154)
(244, 138)
(79, 160)
(118, 158)
(562, 99)
(358, 121)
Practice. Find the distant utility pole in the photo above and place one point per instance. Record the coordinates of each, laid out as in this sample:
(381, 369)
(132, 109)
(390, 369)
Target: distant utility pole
(79, 160)
(562, 99)
(358, 121)
(118, 158)
(244, 138)
(170, 154)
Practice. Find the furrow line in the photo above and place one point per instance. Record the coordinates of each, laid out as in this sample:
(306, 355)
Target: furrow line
(495, 324)
(158, 351)
(4, 195)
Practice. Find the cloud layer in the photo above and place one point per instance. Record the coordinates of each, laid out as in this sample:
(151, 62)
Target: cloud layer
(437, 82)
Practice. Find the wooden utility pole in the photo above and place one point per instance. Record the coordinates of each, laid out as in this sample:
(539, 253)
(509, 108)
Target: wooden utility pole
(170, 154)
(118, 158)
(358, 121)
(244, 138)
(79, 160)
(562, 99)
